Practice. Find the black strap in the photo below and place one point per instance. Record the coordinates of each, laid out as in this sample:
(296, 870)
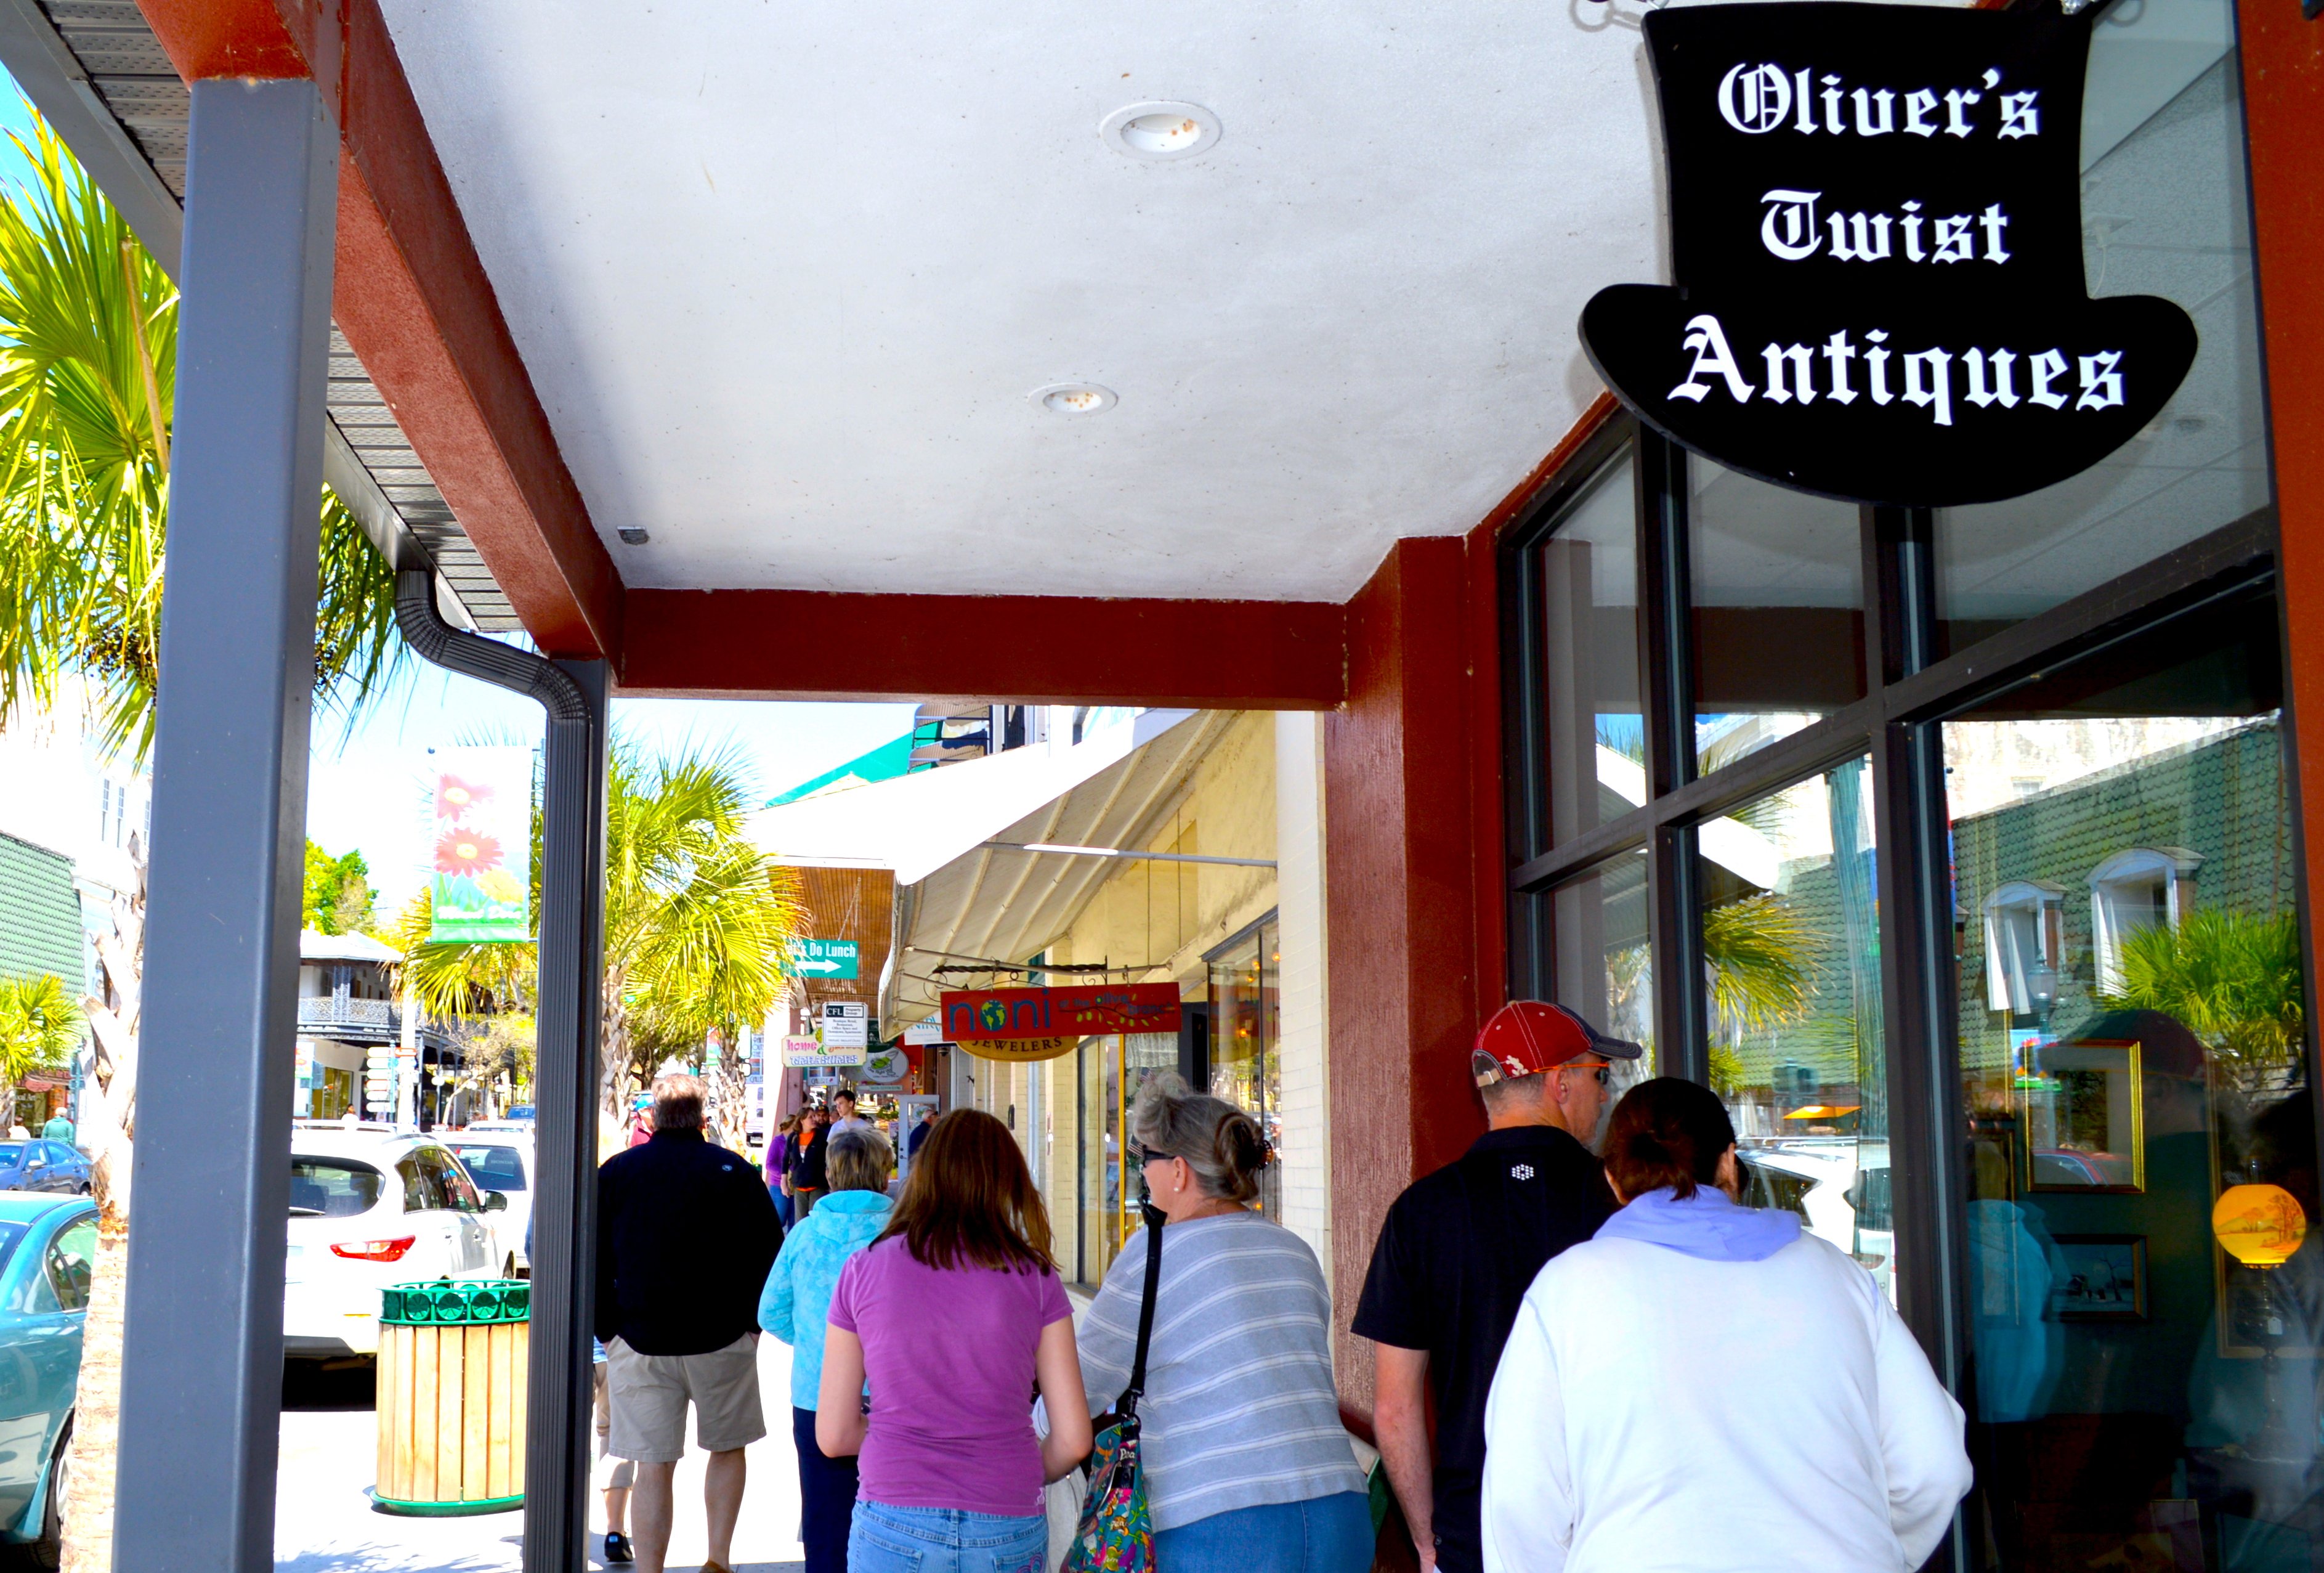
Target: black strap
(1127, 1405)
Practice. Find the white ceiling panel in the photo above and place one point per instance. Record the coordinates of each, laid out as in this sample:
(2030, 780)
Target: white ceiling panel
(784, 271)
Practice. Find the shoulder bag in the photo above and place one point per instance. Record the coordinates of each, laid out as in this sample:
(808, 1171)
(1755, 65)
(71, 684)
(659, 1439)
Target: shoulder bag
(1116, 1534)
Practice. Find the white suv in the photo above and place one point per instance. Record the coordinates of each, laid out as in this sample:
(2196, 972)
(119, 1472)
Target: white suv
(367, 1211)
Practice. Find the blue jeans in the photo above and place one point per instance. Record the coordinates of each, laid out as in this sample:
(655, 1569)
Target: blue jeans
(782, 1206)
(943, 1539)
(1324, 1534)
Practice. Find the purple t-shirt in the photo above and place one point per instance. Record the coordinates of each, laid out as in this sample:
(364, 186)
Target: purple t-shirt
(948, 1355)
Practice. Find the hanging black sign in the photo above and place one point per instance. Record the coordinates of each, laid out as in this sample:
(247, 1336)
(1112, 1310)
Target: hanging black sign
(1875, 229)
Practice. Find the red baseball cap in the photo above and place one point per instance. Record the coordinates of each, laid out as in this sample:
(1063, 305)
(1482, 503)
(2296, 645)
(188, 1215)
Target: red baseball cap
(1528, 1037)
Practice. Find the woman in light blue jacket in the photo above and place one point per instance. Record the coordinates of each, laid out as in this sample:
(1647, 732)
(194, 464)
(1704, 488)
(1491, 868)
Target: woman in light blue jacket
(793, 1307)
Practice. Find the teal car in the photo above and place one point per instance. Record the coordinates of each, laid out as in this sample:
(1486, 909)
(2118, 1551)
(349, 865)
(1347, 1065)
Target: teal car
(48, 1255)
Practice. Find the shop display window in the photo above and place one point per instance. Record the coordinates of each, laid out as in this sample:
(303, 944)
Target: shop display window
(1246, 1041)
(1604, 963)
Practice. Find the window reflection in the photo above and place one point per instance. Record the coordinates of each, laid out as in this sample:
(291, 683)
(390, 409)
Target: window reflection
(2141, 1123)
(1779, 618)
(2164, 213)
(1604, 964)
(1791, 978)
(1246, 1036)
(1589, 577)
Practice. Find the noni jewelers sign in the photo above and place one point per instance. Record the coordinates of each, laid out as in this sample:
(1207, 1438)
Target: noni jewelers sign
(1875, 236)
(481, 883)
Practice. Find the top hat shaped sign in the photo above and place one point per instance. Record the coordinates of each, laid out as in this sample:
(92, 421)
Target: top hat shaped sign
(1876, 231)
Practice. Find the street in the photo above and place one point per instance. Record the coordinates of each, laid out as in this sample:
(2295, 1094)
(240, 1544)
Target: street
(324, 1521)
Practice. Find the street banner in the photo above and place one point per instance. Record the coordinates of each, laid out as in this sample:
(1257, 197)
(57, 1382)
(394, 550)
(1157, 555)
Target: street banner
(1044, 1023)
(480, 888)
(811, 1053)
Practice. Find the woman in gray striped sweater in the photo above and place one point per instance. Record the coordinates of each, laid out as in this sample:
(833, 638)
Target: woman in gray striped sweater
(1249, 1469)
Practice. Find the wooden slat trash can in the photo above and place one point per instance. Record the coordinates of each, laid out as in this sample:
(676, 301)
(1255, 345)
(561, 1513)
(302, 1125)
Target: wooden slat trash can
(451, 1397)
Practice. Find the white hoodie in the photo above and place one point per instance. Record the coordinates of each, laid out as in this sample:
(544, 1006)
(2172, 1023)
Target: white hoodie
(1657, 1411)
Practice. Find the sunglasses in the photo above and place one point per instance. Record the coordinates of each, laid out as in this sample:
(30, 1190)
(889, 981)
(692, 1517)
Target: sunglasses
(1142, 1156)
(1605, 1073)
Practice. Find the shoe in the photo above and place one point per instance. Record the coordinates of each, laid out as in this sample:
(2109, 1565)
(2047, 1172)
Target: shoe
(716, 1567)
(617, 1550)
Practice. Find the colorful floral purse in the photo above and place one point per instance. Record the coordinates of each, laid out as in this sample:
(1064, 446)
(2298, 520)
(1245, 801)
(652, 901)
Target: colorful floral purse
(1116, 1535)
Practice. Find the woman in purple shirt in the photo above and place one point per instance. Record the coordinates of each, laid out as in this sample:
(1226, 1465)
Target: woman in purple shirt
(955, 1316)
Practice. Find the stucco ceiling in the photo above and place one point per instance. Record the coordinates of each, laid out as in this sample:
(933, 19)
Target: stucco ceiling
(784, 273)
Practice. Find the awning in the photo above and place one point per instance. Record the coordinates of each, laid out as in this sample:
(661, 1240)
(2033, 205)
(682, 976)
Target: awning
(1000, 902)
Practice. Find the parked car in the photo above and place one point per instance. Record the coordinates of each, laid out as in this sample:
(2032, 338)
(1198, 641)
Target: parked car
(1840, 1189)
(368, 1211)
(40, 1165)
(500, 1159)
(47, 1257)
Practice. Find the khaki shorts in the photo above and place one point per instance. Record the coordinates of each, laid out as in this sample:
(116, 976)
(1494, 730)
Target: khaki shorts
(649, 1392)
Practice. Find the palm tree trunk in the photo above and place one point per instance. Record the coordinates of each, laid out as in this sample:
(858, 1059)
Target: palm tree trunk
(97, 1413)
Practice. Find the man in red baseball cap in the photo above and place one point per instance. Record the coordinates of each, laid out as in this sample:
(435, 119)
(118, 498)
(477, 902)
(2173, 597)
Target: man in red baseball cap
(1460, 1248)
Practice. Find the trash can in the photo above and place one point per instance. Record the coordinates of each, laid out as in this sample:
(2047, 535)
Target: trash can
(451, 1397)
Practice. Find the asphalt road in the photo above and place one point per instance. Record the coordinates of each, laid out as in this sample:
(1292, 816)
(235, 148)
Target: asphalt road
(324, 1523)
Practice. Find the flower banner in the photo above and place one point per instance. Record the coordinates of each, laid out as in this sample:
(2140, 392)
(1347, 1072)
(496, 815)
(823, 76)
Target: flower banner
(482, 881)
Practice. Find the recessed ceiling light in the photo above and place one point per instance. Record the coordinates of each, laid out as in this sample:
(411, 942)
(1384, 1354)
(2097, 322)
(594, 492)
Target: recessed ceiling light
(1160, 130)
(1073, 398)
(632, 535)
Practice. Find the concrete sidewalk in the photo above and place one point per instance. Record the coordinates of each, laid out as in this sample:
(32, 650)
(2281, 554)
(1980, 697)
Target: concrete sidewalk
(324, 1523)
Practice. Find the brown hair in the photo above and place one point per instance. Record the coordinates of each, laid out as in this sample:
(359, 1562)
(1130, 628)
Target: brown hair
(677, 1102)
(970, 1200)
(1667, 1133)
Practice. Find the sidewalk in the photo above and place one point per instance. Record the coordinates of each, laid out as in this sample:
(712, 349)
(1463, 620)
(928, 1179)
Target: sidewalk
(324, 1523)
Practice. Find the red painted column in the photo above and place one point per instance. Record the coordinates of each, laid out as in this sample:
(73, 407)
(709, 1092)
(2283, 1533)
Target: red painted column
(1402, 851)
(2283, 107)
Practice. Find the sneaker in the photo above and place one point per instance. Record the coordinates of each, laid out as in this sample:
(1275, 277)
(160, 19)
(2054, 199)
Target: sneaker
(617, 1550)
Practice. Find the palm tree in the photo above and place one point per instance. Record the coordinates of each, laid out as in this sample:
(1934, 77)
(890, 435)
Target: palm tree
(1758, 955)
(698, 924)
(2232, 979)
(88, 334)
(39, 1027)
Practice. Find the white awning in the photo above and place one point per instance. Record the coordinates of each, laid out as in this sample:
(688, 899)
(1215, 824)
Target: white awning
(1000, 902)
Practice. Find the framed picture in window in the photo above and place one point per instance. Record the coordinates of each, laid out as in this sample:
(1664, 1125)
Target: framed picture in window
(2081, 1117)
(2102, 1279)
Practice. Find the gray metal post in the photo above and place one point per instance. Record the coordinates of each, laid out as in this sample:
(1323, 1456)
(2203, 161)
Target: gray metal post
(202, 1359)
(569, 1025)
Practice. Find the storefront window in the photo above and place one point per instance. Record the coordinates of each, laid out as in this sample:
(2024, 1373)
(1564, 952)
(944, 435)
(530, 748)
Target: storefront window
(1246, 1034)
(1791, 948)
(2147, 1314)
(1111, 1070)
(2165, 212)
(1778, 619)
(1604, 964)
(1588, 590)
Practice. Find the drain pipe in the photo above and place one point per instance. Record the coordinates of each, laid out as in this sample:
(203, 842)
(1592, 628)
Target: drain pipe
(569, 1021)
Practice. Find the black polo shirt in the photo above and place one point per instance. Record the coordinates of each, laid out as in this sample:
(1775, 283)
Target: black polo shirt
(1456, 1254)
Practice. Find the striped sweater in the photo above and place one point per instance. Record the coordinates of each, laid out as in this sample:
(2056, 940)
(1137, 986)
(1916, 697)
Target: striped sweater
(1239, 1409)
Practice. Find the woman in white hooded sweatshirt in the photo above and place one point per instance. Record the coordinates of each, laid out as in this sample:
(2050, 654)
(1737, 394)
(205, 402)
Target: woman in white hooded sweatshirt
(1703, 1388)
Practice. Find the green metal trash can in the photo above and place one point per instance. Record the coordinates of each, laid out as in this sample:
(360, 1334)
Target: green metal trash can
(451, 1397)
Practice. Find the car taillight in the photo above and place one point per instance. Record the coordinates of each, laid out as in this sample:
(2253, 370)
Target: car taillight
(374, 1250)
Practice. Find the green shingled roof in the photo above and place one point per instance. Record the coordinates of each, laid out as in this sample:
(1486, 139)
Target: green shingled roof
(40, 914)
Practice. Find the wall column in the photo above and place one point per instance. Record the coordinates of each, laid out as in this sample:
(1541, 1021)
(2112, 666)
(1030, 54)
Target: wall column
(1416, 957)
(202, 1354)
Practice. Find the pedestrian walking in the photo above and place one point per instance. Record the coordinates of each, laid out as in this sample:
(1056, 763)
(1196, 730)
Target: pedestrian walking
(919, 1137)
(797, 1299)
(641, 1120)
(58, 1129)
(1240, 1308)
(685, 1234)
(1461, 1246)
(778, 1162)
(843, 1115)
(807, 1168)
(615, 1476)
(956, 1316)
(1832, 1445)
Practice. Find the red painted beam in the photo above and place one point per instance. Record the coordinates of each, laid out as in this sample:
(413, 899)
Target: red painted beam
(412, 297)
(808, 644)
(2283, 106)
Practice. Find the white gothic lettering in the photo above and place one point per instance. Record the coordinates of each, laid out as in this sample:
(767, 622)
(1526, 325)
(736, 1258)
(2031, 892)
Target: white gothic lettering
(1768, 97)
(1791, 230)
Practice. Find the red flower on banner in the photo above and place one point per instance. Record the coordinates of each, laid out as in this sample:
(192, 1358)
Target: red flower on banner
(466, 852)
(455, 797)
